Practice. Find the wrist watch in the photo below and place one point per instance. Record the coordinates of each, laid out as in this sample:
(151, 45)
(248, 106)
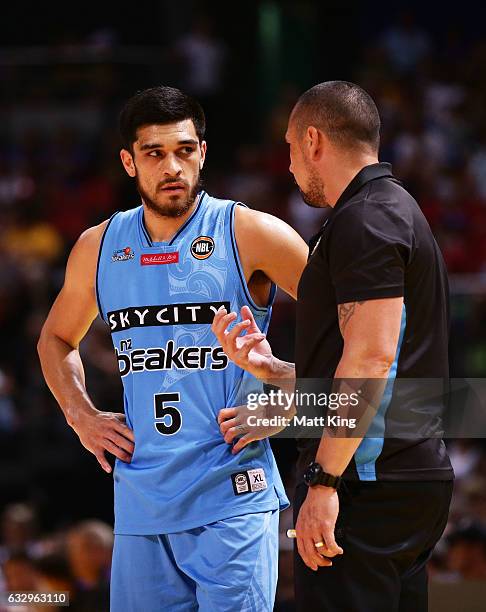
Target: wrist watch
(315, 475)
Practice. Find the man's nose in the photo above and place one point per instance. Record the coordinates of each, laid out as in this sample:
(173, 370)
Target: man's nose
(172, 166)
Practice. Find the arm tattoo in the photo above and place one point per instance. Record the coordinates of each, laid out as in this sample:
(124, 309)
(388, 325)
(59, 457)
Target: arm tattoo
(345, 312)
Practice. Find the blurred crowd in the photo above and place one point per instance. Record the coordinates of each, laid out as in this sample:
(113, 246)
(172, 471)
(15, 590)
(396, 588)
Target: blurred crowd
(60, 173)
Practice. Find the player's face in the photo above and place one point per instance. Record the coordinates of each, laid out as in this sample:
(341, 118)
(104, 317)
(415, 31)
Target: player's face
(166, 164)
(305, 173)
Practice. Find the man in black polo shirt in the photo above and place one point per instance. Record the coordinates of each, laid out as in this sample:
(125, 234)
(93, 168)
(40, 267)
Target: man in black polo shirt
(372, 305)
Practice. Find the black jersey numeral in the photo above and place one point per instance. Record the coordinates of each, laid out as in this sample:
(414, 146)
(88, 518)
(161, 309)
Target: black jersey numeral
(168, 418)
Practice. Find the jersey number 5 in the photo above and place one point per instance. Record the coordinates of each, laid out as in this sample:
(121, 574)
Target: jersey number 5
(168, 418)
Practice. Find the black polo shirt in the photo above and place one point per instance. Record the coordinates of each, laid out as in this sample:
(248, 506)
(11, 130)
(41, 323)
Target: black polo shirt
(376, 243)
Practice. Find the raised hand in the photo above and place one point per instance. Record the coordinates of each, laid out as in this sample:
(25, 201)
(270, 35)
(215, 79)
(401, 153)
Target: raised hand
(250, 351)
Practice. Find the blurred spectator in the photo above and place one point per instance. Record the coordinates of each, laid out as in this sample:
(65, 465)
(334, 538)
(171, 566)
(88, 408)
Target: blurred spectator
(8, 417)
(89, 549)
(30, 240)
(405, 43)
(202, 57)
(18, 529)
(19, 573)
(467, 552)
(53, 573)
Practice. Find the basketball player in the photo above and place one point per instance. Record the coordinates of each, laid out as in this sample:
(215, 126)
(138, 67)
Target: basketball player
(196, 526)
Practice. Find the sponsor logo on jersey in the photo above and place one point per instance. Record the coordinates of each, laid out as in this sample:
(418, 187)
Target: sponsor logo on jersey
(250, 481)
(202, 247)
(157, 259)
(171, 357)
(164, 314)
(123, 254)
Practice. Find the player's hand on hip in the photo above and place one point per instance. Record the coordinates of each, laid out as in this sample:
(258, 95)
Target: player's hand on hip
(105, 431)
(250, 351)
(315, 525)
(234, 427)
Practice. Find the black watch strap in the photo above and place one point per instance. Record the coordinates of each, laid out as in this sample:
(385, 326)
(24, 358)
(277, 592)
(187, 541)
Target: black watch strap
(328, 480)
(315, 475)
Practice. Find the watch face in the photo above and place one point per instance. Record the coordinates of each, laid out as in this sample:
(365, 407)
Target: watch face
(312, 473)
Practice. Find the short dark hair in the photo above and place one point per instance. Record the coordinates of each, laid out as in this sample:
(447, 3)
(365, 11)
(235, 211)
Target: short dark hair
(344, 111)
(159, 105)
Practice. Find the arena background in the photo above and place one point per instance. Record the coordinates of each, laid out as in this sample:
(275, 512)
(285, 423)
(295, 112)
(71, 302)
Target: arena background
(63, 76)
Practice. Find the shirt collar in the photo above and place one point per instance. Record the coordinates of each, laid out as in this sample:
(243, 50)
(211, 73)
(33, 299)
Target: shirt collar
(365, 175)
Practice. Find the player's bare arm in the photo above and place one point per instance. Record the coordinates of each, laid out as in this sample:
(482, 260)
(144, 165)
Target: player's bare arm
(68, 322)
(270, 251)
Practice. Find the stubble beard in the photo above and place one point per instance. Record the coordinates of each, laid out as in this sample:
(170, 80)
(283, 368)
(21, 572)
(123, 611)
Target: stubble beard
(176, 207)
(314, 195)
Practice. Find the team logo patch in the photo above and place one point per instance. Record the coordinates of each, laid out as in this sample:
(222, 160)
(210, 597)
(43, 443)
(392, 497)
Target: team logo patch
(157, 259)
(249, 481)
(202, 247)
(123, 254)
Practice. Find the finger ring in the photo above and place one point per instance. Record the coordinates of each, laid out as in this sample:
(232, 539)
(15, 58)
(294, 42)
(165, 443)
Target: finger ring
(319, 544)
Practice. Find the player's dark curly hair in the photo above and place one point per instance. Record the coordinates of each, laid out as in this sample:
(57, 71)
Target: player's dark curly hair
(344, 111)
(158, 105)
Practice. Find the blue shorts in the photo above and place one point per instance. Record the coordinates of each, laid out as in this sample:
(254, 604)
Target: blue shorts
(226, 566)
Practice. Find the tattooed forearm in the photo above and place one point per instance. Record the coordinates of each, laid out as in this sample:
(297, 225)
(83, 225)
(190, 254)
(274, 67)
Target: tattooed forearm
(282, 369)
(345, 312)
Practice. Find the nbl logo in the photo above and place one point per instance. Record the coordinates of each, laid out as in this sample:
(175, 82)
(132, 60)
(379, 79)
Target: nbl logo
(202, 247)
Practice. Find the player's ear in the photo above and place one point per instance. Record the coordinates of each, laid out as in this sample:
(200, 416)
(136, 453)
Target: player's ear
(127, 161)
(204, 148)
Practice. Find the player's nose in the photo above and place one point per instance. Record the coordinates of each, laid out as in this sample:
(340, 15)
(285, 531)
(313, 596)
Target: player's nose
(172, 166)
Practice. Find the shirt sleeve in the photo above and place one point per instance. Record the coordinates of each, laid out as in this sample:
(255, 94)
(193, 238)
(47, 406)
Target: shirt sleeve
(368, 252)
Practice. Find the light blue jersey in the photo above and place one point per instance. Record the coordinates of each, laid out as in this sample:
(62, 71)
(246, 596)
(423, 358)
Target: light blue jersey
(159, 301)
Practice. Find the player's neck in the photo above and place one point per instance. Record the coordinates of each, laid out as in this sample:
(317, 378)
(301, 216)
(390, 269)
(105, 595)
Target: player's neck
(163, 229)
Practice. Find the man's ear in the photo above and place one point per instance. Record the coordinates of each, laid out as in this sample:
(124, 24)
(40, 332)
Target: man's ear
(314, 142)
(204, 148)
(127, 161)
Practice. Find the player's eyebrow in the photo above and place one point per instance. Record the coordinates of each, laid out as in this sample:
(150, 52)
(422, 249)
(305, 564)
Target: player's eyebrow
(156, 145)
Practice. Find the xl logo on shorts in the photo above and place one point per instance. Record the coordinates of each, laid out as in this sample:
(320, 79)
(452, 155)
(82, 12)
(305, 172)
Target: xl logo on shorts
(249, 481)
(202, 247)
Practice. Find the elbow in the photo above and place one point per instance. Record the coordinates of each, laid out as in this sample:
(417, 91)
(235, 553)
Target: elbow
(381, 364)
(43, 342)
(369, 364)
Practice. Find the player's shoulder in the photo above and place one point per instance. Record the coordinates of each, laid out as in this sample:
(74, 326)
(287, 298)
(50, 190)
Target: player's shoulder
(258, 225)
(91, 237)
(84, 254)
